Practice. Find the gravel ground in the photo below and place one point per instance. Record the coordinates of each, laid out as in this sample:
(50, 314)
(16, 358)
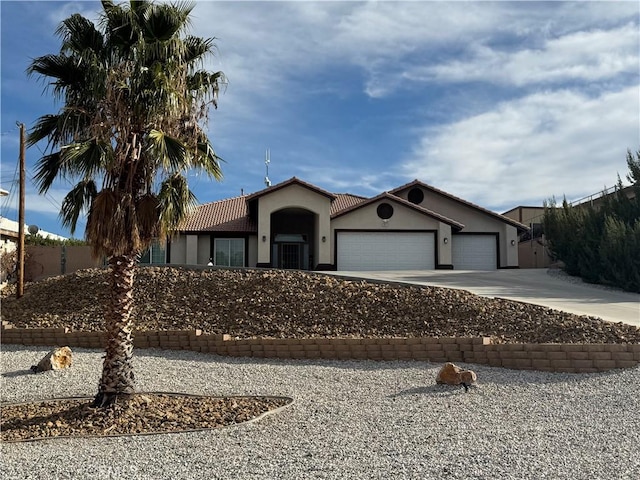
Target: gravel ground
(354, 419)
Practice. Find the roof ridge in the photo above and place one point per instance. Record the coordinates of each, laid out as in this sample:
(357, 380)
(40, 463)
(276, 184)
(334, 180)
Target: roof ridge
(223, 200)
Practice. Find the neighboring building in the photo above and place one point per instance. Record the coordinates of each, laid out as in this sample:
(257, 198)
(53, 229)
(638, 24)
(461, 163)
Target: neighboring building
(9, 234)
(532, 247)
(298, 225)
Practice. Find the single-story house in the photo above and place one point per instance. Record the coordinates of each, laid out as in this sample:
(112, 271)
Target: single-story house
(297, 225)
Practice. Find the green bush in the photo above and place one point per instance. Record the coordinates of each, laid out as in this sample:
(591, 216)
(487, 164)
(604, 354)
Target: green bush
(601, 245)
(30, 239)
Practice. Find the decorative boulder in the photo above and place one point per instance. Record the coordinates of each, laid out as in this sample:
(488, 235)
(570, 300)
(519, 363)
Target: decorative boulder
(56, 359)
(451, 374)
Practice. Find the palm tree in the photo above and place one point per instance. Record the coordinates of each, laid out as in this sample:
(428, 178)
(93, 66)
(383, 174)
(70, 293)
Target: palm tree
(135, 100)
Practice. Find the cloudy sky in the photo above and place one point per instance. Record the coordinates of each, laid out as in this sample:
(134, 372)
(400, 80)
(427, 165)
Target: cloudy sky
(500, 103)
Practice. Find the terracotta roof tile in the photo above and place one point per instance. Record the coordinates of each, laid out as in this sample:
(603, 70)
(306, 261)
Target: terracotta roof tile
(345, 200)
(230, 215)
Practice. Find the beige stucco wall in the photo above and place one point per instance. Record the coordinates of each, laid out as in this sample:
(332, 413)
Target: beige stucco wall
(294, 196)
(474, 221)
(252, 254)
(526, 215)
(404, 218)
(179, 250)
(204, 250)
(192, 250)
(508, 252)
(45, 261)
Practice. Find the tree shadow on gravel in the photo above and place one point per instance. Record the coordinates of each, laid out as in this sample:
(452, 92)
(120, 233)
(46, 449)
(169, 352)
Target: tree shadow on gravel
(17, 373)
(434, 390)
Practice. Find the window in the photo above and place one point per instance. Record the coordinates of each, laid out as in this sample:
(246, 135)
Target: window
(385, 211)
(155, 254)
(416, 195)
(229, 252)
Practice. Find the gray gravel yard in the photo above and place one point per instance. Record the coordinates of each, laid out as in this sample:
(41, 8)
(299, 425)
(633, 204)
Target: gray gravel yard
(350, 419)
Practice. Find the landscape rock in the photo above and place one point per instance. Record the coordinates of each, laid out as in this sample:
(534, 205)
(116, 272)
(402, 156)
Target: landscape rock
(451, 374)
(56, 359)
(248, 303)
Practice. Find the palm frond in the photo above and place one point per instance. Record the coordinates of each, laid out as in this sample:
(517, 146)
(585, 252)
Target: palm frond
(59, 129)
(176, 202)
(65, 69)
(196, 48)
(171, 152)
(163, 21)
(46, 126)
(48, 168)
(111, 227)
(79, 199)
(119, 26)
(207, 160)
(86, 159)
(80, 34)
(148, 218)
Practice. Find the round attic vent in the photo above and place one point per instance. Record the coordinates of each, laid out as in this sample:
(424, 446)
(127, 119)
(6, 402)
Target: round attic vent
(385, 211)
(416, 195)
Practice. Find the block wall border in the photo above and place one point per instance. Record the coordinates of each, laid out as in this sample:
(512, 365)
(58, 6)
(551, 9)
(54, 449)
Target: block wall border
(550, 357)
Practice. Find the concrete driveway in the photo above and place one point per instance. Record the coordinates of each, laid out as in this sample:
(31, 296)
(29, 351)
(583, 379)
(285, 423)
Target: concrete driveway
(537, 286)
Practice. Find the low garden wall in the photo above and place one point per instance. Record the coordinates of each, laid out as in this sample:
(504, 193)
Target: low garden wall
(551, 357)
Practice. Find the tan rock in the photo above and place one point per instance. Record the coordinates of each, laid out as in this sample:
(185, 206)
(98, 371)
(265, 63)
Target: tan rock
(451, 374)
(56, 359)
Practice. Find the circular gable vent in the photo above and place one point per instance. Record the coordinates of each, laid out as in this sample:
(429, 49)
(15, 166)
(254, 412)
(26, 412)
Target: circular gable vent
(416, 195)
(385, 211)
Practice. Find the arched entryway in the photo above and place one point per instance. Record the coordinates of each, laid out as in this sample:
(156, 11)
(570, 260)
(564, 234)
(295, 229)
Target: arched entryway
(293, 239)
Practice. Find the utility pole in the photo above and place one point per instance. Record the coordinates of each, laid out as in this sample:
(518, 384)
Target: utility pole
(20, 289)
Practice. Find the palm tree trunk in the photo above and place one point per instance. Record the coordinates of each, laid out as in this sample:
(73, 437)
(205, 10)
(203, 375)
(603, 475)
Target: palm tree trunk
(117, 369)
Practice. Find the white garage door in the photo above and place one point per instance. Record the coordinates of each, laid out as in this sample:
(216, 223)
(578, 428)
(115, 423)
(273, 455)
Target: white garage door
(385, 251)
(474, 252)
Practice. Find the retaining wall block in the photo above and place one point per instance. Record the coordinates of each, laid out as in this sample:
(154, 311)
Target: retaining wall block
(582, 364)
(626, 363)
(572, 347)
(561, 364)
(575, 355)
(556, 355)
(622, 356)
(549, 347)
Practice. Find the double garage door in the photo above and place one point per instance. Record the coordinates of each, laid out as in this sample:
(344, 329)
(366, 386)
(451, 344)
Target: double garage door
(412, 251)
(386, 251)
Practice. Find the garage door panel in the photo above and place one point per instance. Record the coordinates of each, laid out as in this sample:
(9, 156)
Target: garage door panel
(474, 252)
(385, 251)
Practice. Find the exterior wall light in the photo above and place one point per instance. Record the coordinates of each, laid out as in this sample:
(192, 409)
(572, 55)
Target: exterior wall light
(513, 243)
(264, 238)
(324, 239)
(445, 240)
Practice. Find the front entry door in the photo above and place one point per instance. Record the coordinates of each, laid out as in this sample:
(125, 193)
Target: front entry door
(290, 255)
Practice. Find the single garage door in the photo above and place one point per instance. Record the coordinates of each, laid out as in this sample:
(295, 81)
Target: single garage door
(474, 252)
(385, 251)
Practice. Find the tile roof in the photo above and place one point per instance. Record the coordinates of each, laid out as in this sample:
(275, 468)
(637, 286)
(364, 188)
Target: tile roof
(345, 200)
(230, 215)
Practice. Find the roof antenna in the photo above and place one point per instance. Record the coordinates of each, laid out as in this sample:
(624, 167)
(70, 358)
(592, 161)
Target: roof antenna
(267, 161)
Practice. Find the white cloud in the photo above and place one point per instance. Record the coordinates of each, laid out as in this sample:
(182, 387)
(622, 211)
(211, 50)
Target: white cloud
(585, 56)
(551, 143)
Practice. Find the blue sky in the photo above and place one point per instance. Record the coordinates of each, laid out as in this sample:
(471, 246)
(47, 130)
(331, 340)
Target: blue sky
(500, 103)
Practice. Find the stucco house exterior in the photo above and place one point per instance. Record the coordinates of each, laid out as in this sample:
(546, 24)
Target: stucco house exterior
(295, 224)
